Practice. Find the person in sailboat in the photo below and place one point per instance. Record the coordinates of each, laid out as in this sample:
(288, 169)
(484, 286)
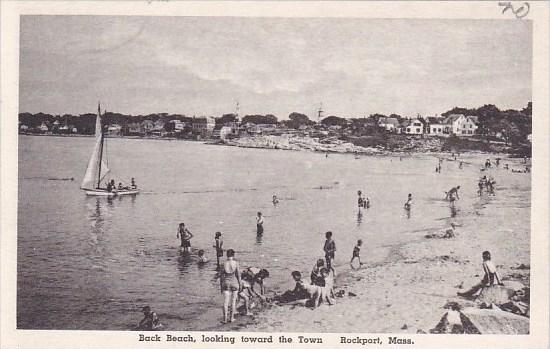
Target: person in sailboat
(133, 185)
(120, 187)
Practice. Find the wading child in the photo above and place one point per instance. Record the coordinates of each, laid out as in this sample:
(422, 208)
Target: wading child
(259, 224)
(355, 254)
(202, 257)
(185, 236)
(218, 245)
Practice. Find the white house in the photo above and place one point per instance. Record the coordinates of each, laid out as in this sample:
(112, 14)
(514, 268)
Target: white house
(388, 124)
(43, 128)
(461, 125)
(415, 127)
(114, 130)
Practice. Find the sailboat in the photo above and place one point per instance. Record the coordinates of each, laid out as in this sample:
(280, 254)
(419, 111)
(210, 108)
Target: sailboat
(97, 168)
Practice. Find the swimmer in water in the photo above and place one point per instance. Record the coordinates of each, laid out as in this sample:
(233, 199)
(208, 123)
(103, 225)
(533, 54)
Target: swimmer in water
(275, 200)
(202, 257)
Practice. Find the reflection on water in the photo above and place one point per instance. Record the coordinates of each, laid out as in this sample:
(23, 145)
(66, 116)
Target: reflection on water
(359, 217)
(98, 260)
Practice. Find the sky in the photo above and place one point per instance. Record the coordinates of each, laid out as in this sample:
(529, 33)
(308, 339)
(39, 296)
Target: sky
(204, 65)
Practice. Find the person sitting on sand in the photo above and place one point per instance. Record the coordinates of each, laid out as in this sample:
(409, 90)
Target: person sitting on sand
(202, 257)
(249, 278)
(316, 278)
(298, 293)
(408, 204)
(185, 236)
(231, 284)
(150, 321)
(355, 254)
(490, 277)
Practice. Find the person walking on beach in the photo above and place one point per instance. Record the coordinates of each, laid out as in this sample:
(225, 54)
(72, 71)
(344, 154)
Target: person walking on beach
(185, 236)
(218, 245)
(355, 254)
(259, 224)
(330, 249)
(231, 285)
(490, 277)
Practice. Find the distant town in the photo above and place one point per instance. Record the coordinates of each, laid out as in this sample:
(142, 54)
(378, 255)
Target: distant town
(485, 129)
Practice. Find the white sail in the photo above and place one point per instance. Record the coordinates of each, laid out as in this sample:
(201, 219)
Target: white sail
(90, 179)
(92, 171)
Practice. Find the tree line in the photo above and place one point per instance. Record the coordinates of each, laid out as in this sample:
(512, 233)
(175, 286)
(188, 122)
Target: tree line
(515, 125)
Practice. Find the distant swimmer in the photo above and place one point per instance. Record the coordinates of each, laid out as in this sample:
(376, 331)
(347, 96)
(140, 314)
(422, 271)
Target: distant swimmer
(366, 203)
(150, 321)
(355, 254)
(275, 200)
(185, 236)
(359, 199)
(408, 204)
(259, 224)
(460, 165)
(452, 194)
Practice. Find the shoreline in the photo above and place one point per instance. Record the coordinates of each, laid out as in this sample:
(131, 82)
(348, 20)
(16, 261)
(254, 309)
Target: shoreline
(321, 148)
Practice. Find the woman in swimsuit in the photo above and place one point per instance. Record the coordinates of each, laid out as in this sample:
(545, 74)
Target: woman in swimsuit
(231, 286)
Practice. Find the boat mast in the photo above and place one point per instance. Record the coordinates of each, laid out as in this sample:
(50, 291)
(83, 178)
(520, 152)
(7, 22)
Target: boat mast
(101, 146)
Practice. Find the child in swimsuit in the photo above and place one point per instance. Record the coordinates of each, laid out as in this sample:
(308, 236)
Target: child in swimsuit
(185, 236)
(356, 251)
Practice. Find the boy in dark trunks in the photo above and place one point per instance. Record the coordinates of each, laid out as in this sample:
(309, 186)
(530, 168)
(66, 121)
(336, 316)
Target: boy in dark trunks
(330, 249)
(356, 251)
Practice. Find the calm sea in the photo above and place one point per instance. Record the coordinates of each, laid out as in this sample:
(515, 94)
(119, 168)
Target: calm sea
(92, 263)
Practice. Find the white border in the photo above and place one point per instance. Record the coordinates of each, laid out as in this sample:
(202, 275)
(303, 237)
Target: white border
(10, 11)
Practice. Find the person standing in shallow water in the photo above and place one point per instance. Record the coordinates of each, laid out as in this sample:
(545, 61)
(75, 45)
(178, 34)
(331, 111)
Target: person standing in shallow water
(218, 244)
(259, 224)
(408, 204)
(185, 236)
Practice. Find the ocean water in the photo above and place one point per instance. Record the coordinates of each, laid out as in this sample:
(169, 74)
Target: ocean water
(91, 263)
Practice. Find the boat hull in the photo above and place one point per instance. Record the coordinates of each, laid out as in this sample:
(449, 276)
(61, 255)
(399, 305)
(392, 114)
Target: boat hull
(104, 192)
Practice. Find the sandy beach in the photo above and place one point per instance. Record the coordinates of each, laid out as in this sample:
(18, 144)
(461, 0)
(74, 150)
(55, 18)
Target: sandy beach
(404, 288)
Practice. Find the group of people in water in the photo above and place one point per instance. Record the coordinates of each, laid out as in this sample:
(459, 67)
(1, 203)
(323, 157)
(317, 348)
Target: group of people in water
(237, 283)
